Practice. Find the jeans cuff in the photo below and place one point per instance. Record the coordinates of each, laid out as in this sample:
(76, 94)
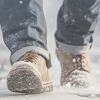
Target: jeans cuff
(73, 49)
(18, 54)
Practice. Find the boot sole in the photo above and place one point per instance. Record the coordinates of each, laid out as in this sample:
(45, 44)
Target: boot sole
(26, 81)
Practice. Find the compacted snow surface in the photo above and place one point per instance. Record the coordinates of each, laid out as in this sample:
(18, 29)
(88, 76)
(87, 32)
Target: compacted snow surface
(51, 8)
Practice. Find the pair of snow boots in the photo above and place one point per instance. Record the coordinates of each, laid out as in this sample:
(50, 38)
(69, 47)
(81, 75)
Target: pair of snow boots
(31, 75)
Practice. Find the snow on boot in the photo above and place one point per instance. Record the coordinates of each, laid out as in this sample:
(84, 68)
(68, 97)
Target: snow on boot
(30, 75)
(75, 69)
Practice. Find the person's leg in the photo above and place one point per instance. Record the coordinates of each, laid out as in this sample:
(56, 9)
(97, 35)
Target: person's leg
(76, 23)
(24, 27)
(24, 31)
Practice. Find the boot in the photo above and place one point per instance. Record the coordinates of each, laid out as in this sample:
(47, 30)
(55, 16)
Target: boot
(30, 75)
(75, 69)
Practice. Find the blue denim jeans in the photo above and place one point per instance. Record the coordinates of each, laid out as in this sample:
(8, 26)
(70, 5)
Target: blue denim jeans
(24, 26)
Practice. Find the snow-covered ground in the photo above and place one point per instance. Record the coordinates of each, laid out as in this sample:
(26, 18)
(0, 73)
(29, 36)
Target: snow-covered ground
(51, 8)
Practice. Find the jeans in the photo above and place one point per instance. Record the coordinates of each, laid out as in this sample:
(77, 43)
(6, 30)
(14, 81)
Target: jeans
(24, 27)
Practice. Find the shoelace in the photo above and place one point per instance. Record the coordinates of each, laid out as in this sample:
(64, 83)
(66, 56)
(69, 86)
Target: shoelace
(30, 56)
(79, 60)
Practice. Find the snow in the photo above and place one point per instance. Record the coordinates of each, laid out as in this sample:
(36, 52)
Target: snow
(20, 1)
(59, 93)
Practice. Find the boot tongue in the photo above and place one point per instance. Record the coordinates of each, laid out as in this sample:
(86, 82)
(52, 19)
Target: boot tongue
(29, 56)
(78, 60)
(83, 62)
